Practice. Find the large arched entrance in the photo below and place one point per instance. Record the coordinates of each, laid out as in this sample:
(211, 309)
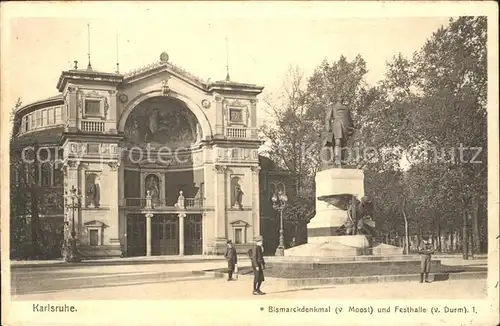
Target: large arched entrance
(161, 141)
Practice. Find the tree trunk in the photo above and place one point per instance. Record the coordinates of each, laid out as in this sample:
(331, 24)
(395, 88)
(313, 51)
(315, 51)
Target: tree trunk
(34, 221)
(475, 224)
(465, 242)
(439, 248)
(407, 236)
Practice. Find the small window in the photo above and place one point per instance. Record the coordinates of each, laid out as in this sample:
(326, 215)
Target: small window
(93, 148)
(93, 107)
(46, 171)
(238, 235)
(94, 237)
(25, 124)
(50, 117)
(38, 121)
(161, 235)
(31, 121)
(44, 118)
(236, 115)
(61, 113)
(58, 175)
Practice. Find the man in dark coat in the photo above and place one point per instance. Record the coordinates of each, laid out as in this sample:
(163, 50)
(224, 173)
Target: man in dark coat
(425, 251)
(258, 266)
(339, 127)
(232, 260)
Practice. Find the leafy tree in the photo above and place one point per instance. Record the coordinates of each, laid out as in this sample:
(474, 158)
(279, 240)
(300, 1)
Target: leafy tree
(452, 77)
(292, 145)
(31, 236)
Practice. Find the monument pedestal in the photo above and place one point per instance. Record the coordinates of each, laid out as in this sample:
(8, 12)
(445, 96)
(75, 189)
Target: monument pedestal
(335, 187)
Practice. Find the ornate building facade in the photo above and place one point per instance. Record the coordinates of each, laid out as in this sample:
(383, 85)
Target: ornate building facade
(166, 164)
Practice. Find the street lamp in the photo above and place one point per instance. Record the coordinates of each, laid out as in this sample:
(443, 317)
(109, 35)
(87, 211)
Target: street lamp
(73, 203)
(279, 203)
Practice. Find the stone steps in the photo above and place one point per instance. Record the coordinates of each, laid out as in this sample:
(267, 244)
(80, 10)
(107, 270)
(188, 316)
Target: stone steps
(386, 278)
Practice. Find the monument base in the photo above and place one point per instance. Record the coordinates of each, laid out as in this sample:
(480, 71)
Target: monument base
(342, 246)
(334, 190)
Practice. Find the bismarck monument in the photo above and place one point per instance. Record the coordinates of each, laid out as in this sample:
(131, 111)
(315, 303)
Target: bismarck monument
(343, 224)
(341, 236)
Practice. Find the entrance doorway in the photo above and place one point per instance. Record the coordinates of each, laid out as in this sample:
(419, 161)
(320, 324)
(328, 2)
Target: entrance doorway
(193, 235)
(136, 235)
(165, 234)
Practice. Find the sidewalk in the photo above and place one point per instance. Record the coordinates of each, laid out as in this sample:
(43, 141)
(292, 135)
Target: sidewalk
(446, 259)
(143, 260)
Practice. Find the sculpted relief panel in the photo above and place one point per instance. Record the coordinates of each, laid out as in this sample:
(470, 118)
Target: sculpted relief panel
(162, 122)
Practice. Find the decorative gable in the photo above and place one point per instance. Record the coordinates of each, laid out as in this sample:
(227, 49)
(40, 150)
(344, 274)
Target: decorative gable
(240, 223)
(95, 224)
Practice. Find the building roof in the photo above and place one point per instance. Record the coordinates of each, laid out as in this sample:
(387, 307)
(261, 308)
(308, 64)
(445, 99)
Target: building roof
(89, 75)
(205, 85)
(48, 100)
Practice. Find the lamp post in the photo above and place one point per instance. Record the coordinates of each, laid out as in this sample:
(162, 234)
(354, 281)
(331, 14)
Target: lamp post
(73, 203)
(279, 203)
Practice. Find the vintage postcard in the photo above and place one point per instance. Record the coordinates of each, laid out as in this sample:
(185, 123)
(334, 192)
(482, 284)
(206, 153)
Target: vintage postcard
(249, 163)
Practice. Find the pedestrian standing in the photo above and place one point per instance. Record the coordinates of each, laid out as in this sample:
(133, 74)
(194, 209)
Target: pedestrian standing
(425, 251)
(258, 266)
(232, 260)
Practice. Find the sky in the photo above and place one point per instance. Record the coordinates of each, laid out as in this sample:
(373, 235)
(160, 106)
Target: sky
(262, 42)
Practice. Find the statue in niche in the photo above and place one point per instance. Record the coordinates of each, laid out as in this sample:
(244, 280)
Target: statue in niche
(238, 195)
(152, 187)
(94, 192)
(199, 134)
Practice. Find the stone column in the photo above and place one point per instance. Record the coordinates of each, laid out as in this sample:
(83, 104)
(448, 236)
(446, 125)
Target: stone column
(255, 201)
(111, 114)
(148, 233)
(253, 119)
(80, 107)
(253, 113)
(219, 115)
(121, 185)
(181, 233)
(220, 202)
(73, 107)
(112, 195)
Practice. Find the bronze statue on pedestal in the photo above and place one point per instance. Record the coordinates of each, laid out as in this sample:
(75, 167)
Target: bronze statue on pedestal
(339, 127)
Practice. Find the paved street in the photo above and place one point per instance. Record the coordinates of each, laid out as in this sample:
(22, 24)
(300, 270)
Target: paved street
(49, 281)
(177, 281)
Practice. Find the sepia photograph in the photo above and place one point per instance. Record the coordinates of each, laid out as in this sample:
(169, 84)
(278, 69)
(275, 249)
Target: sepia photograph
(285, 160)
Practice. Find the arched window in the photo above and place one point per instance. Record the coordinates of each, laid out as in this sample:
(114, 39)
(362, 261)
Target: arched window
(46, 175)
(58, 175)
